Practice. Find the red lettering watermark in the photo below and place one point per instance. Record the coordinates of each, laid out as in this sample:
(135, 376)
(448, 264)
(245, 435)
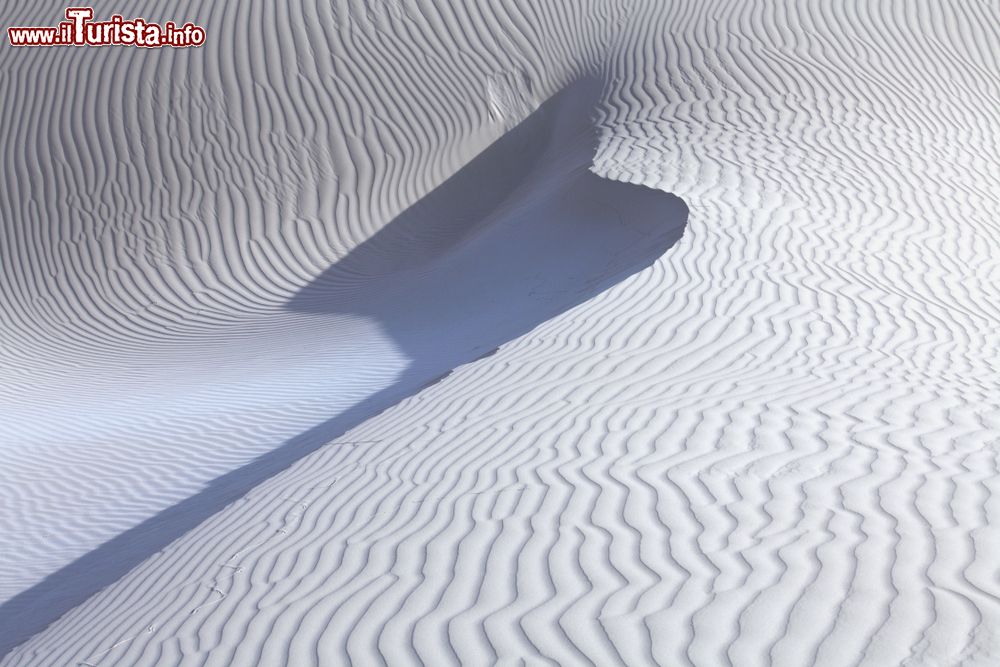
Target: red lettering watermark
(80, 30)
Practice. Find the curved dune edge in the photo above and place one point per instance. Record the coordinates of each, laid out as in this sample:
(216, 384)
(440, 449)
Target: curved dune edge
(160, 209)
(472, 266)
(778, 445)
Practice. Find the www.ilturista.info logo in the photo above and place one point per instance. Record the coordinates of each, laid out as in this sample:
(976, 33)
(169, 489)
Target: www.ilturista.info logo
(79, 30)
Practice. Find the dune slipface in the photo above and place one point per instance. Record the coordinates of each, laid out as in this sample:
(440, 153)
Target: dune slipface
(346, 339)
(161, 208)
(521, 234)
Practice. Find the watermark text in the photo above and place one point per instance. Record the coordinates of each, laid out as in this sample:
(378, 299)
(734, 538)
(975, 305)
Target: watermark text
(79, 29)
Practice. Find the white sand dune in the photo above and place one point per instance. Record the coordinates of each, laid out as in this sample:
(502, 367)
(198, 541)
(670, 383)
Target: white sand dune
(160, 209)
(252, 412)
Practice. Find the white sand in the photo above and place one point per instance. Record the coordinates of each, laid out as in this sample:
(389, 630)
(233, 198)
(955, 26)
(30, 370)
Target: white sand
(235, 279)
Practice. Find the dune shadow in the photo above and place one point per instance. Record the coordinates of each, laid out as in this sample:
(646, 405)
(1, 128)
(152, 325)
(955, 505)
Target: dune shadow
(520, 235)
(523, 233)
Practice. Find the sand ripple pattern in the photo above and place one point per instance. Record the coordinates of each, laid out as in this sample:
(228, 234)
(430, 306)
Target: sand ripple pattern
(777, 446)
(159, 208)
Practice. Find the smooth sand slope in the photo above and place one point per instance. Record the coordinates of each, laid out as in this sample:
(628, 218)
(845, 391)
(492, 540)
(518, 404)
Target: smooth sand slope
(772, 441)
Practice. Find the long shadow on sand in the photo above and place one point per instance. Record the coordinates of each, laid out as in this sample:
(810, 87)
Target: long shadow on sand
(521, 234)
